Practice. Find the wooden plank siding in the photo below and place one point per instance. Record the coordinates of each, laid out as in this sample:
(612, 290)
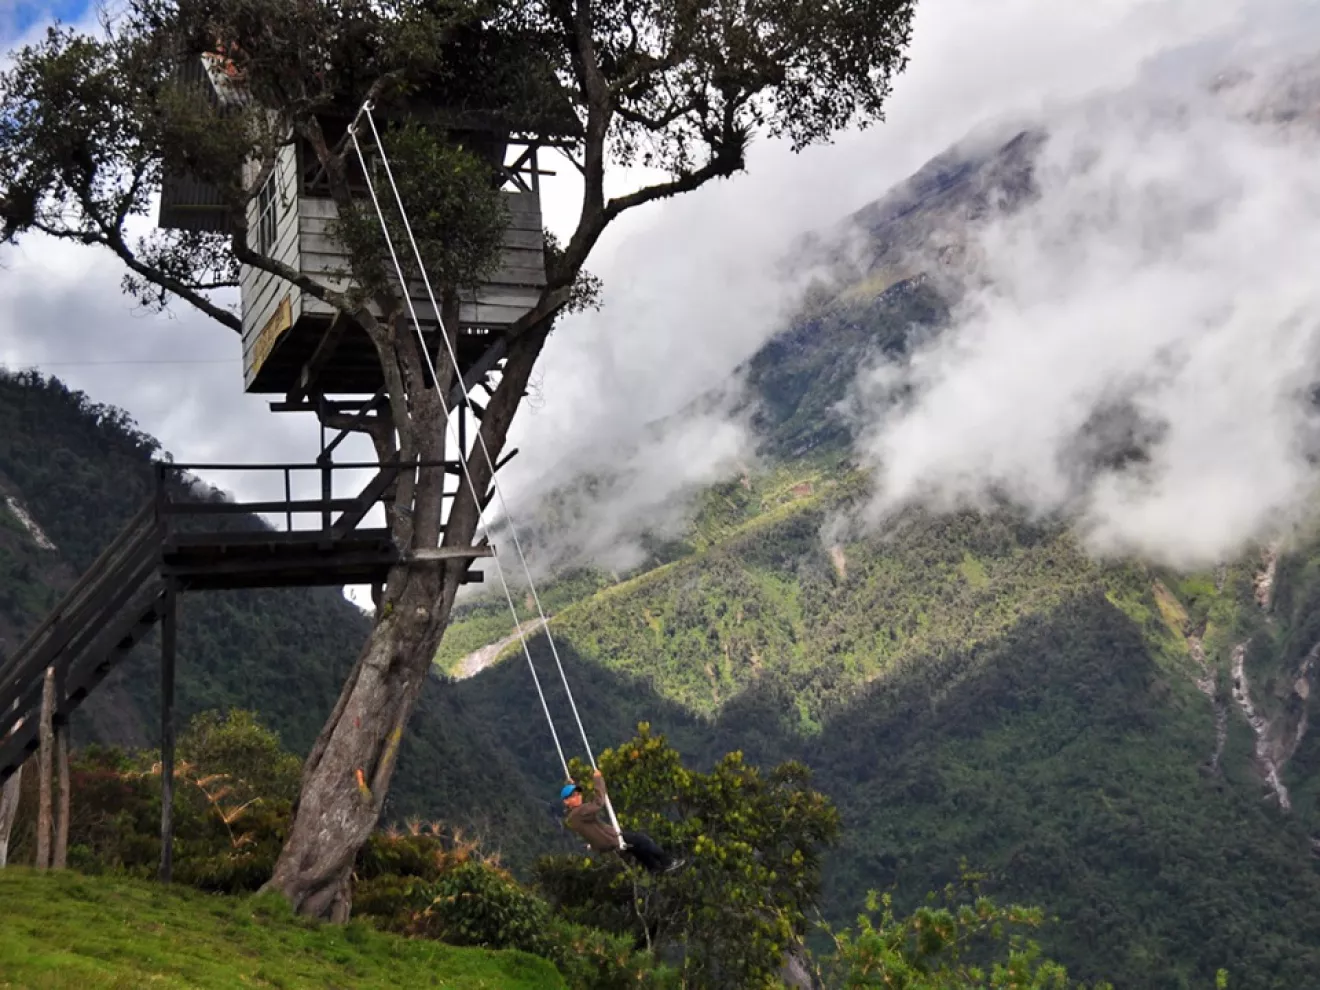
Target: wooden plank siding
(261, 291)
(304, 241)
(505, 296)
(186, 202)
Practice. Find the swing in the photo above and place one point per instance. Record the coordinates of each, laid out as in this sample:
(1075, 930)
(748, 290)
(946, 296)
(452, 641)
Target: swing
(462, 459)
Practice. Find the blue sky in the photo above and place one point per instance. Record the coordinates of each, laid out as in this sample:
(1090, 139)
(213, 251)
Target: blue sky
(19, 17)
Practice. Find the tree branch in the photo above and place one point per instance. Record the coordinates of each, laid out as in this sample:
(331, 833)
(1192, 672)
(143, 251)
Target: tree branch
(723, 163)
(114, 240)
(279, 269)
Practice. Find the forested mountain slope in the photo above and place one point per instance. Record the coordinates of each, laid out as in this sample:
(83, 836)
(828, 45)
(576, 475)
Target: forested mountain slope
(1126, 745)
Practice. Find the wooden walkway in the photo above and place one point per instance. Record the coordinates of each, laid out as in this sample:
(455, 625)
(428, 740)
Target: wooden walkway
(179, 542)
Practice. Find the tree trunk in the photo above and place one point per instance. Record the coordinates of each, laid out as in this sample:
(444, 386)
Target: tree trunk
(60, 858)
(348, 772)
(44, 756)
(9, 795)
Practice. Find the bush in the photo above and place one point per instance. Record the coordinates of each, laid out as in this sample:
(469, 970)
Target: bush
(476, 904)
(591, 959)
(419, 884)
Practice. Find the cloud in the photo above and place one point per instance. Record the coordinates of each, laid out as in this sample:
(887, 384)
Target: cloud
(693, 285)
(1139, 350)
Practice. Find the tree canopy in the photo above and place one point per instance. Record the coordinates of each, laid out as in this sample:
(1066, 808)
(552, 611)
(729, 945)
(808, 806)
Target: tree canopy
(88, 125)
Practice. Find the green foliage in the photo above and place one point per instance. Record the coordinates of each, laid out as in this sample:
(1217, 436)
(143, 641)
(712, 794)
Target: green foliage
(714, 74)
(234, 787)
(770, 602)
(753, 843)
(250, 755)
(419, 884)
(69, 932)
(456, 213)
(473, 904)
(963, 943)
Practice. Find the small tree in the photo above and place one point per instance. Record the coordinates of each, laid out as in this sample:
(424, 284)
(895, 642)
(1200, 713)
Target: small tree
(953, 942)
(740, 904)
(87, 126)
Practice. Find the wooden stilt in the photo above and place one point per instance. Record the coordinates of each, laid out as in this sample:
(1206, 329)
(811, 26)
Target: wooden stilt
(60, 856)
(168, 642)
(44, 756)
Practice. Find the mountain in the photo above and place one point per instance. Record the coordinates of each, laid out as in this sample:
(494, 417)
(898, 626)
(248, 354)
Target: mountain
(1127, 745)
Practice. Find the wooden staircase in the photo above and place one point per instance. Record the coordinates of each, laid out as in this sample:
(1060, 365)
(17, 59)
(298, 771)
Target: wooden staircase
(178, 542)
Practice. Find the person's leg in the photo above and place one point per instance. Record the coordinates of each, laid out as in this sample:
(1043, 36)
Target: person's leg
(644, 849)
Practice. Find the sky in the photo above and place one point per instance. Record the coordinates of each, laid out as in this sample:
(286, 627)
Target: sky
(691, 283)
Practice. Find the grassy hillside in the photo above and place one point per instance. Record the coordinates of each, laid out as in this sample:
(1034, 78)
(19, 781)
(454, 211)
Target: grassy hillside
(63, 930)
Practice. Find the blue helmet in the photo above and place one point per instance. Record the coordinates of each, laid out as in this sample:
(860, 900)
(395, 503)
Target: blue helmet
(566, 790)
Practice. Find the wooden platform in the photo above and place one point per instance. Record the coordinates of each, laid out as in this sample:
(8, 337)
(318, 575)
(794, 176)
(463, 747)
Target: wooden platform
(352, 369)
(175, 544)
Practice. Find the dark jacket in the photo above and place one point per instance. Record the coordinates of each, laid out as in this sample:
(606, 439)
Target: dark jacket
(591, 821)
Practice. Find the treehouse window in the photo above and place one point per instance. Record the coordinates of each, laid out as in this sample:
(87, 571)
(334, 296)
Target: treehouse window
(267, 216)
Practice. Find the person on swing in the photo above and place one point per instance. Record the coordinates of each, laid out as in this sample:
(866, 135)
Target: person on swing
(590, 821)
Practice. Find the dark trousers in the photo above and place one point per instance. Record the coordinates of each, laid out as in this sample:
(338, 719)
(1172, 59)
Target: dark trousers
(644, 850)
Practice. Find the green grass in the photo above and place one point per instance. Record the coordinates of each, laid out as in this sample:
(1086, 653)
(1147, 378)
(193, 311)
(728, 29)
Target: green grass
(62, 930)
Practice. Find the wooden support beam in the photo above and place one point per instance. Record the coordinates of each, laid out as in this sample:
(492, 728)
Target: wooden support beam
(330, 405)
(483, 366)
(60, 856)
(325, 349)
(368, 497)
(10, 789)
(44, 756)
(379, 404)
(435, 554)
(168, 643)
(316, 505)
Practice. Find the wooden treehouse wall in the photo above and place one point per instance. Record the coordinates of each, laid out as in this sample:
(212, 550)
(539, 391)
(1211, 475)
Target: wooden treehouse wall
(509, 292)
(264, 294)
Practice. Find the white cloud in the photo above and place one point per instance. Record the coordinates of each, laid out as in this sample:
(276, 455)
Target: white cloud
(692, 287)
(1166, 268)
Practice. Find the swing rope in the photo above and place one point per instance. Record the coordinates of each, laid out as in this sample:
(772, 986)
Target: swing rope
(481, 440)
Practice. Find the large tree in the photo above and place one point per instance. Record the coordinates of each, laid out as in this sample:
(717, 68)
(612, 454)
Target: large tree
(88, 125)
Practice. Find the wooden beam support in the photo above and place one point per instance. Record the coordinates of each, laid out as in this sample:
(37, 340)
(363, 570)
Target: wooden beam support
(325, 349)
(380, 401)
(482, 367)
(168, 643)
(330, 405)
(60, 856)
(45, 754)
(368, 497)
(438, 554)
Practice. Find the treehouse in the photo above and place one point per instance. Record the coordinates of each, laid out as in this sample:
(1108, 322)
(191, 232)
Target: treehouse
(293, 342)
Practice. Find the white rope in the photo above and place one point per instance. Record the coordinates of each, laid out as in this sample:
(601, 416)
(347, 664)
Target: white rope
(462, 459)
(499, 492)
